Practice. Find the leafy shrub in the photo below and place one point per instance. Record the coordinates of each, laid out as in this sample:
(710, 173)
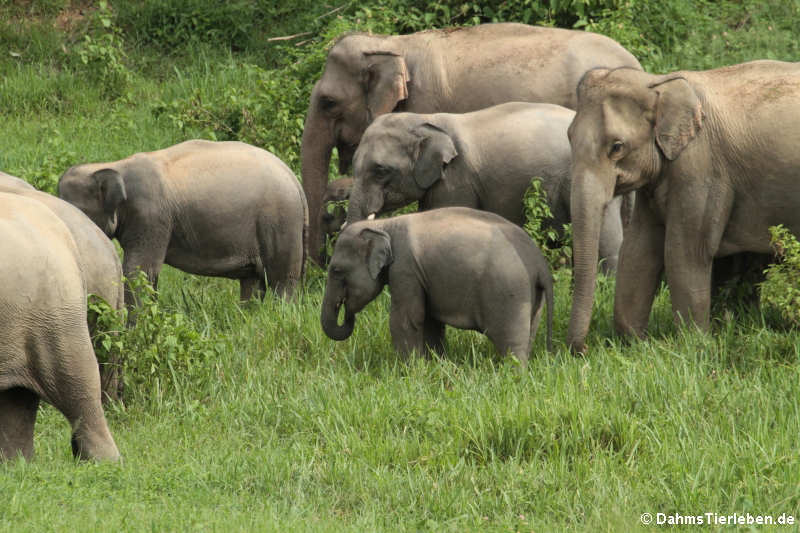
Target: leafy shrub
(48, 169)
(174, 24)
(781, 289)
(102, 53)
(161, 350)
(556, 248)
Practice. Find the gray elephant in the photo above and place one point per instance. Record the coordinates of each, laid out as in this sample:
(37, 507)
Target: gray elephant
(46, 353)
(498, 288)
(333, 213)
(451, 70)
(484, 160)
(97, 258)
(713, 157)
(210, 208)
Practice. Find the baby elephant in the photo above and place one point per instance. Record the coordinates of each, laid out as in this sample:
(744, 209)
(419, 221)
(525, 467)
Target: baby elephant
(333, 213)
(458, 266)
(209, 208)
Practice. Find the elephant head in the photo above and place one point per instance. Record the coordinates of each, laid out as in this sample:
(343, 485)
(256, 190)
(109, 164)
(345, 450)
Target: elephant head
(362, 80)
(98, 193)
(629, 125)
(356, 276)
(400, 157)
(333, 212)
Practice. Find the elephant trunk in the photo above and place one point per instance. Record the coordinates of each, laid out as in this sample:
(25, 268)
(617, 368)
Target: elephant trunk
(588, 202)
(331, 304)
(317, 143)
(364, 202)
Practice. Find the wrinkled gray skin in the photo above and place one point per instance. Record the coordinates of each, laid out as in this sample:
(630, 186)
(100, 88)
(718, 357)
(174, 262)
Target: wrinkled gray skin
(332, 221)
(713, 156)
(499, 288)
(484, 160)
(97, 258)
(451, 71)
(210, 208)
(45, 353)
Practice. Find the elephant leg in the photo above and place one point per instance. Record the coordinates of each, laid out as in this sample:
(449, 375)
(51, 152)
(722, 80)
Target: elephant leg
(407, 318)
(73, 387)
(434, 335)
(283, 269)
(249, 287)
(511, 331)
(696, 220)
(611, 236)
(18, 408)
(689, 277)
(641, 262)
(150, 261)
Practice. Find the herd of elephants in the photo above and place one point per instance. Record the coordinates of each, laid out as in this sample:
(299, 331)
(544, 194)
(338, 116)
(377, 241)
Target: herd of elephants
(689, 167)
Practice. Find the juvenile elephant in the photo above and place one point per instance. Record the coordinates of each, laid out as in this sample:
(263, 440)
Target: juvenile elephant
(450, 70)
(499, 288)
(334, 216)
(713, 156)
(210, 208)
(46, 353)
(97, 259)
(484, 160)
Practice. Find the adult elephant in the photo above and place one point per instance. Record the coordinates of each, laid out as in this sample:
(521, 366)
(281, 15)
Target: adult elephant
(452, 70)
(97, 258)
(713, 157)
(209, 208)
(46, 352)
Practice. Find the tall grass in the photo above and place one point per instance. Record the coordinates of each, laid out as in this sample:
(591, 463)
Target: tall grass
(284, 429)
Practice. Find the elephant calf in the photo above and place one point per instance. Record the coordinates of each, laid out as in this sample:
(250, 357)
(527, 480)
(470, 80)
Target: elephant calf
(484, 160)
(466, 268)
(45, 353)
(333, 220)
(210, 208)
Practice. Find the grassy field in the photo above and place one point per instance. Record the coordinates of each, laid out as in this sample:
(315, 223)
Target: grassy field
(261, 423)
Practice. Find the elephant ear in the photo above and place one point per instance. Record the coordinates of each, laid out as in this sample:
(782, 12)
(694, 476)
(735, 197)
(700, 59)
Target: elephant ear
(435, 151)
(679, 116)
(379, 250)
(112, 189)
(387, 82)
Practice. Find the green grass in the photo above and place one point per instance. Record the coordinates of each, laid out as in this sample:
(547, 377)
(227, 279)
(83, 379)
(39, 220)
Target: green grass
(283, 429)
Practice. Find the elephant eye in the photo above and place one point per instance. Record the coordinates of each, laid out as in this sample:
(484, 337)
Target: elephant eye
(616, 149)
(327, 103)
(383, 173)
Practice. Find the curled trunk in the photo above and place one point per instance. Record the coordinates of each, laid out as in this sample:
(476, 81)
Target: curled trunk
(330, 317)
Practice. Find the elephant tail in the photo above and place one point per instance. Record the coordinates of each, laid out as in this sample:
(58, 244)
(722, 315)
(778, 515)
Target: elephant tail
(305, 235)
(547, 289)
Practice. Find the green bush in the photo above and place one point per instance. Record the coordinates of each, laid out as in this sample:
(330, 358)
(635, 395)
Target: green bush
(175, 24)
(48, 169)
(102, 53)
(556, 248)
(781, 289)
(159, 350)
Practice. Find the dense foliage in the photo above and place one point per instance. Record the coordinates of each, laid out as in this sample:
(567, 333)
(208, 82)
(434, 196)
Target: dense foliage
(248, 418)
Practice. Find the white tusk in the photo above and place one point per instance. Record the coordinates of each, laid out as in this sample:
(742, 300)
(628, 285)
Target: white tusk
(343, 225)
(371, 216)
